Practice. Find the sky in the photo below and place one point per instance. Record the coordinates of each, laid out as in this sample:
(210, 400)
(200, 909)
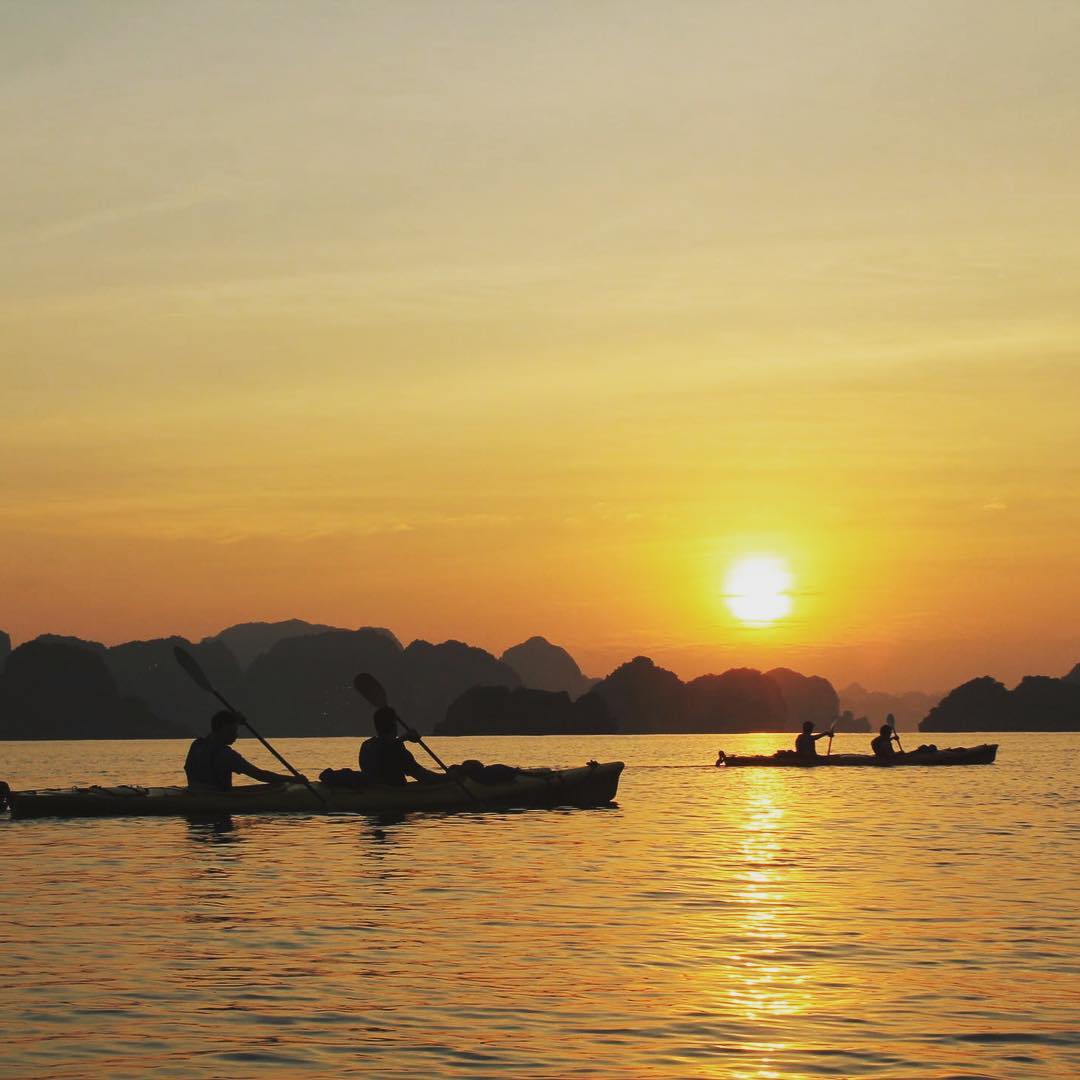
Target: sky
(485, 320)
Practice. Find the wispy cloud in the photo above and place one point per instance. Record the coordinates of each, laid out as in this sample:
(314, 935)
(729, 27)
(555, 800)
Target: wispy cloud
(209, 193)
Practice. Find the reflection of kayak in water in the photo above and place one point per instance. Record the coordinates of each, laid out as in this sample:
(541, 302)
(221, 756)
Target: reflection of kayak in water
(960, 755)
(591, 785)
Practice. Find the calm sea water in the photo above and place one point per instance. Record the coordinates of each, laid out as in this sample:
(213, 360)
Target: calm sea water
(738, 923)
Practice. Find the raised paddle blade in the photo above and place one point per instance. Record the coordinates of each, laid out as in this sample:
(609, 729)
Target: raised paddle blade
(191, 666)
(368, 687)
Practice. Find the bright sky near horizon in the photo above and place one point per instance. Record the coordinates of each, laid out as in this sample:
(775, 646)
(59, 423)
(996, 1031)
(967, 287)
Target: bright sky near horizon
(481, 320)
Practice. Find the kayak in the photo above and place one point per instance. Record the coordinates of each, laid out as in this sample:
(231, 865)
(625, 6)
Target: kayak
(959, 755)
(591, 785)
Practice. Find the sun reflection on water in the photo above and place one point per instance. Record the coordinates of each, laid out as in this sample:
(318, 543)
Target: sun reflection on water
(763, 988)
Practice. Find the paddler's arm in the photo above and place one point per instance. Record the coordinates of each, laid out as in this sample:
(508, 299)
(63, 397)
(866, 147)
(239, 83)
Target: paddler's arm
(411, 767)
(263, 776)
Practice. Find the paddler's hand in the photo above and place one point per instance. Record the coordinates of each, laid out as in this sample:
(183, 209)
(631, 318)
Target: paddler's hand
(411, 735)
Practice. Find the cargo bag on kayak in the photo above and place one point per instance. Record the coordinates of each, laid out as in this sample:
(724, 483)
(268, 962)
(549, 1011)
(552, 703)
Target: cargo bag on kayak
(485, 774)
(344, 778)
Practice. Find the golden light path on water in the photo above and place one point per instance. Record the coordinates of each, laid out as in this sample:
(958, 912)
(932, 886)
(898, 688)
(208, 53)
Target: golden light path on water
(762, 986)
(754, 925)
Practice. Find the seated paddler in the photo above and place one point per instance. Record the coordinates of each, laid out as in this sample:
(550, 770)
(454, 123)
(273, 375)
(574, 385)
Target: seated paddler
(385, 759)
(806, 742)
(212, 761)
(882, 745)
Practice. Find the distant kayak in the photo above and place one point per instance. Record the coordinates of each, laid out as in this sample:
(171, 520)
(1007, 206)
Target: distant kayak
(960, 755)
(591, 785)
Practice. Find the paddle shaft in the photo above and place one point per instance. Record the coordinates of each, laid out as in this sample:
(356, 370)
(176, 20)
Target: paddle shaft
(431, 753)
(890, 720)
(204, 682)
(438, 761)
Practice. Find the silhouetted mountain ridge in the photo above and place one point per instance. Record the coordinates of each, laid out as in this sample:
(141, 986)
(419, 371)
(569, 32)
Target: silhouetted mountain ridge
(1036, 703)
(543, 666)
(59, 690)
(806, 697)
(247, 641)
(502, 710)
(299, 682)
(303, 685)
(646, 698)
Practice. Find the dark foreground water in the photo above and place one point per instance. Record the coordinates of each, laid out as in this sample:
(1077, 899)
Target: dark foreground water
(738, 923)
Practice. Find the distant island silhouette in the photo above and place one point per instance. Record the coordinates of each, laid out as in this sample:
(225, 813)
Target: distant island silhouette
(1036, 703)
(295, 678)
(907, 709)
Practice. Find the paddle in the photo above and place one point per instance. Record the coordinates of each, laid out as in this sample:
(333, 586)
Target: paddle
(198, 676)
(832, 732)
(369, 688)
(891, 721)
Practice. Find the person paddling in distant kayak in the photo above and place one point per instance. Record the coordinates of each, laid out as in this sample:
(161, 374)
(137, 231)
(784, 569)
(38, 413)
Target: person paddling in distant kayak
(211, 760)
(385, 759)
(882, 745)
(806, 743)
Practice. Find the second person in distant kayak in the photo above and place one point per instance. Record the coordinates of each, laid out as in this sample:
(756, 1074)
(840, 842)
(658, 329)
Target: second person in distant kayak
(882, 745)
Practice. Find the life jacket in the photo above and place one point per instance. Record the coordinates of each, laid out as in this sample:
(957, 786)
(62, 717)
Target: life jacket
(210, 764)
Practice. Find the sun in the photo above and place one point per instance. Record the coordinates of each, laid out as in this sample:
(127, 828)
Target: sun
(756, 590)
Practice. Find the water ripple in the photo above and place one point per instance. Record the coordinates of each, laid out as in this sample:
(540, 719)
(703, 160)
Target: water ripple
(745, 924)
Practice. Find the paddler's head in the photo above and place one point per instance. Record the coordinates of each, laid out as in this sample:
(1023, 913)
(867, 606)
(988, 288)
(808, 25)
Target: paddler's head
(385, 721)
(886, 729)
(225, 726)
(808, 726)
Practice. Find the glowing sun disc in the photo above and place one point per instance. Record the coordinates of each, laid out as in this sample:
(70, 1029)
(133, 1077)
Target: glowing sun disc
(756, 590)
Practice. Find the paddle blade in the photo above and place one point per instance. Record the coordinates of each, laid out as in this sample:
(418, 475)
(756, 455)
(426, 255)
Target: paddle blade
(191, 666)
(369, 688)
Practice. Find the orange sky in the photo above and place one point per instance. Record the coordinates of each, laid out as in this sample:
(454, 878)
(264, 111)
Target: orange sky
(487, 320)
